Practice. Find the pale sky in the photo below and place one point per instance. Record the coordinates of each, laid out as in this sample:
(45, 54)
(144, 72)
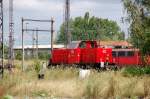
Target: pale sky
(45, 9)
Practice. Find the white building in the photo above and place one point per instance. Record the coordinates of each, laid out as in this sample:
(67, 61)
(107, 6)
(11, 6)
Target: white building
(31, 50)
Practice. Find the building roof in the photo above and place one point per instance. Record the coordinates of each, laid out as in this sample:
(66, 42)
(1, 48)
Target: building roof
(114, 43)
(39, 46)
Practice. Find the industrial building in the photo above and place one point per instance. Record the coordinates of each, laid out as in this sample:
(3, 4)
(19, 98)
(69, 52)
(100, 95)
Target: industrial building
(31, 50)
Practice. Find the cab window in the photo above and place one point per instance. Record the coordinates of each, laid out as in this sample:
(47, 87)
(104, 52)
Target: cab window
(92, 45)
(114, 54)
(130, 53)
(121, 53)
(82, 45)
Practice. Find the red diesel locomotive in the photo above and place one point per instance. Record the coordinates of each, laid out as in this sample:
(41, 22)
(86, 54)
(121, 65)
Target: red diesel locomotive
(82, 53)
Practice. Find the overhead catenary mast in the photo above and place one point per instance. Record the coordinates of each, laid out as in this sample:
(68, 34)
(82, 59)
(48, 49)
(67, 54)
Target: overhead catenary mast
(1, 40)
(11, 35)
(67, 25)
(33, 43)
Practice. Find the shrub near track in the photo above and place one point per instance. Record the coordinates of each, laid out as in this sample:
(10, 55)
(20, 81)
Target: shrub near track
(137, 71)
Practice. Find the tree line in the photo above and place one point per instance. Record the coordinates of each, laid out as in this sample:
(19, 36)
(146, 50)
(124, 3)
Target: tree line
(138, 12)
(91, 28)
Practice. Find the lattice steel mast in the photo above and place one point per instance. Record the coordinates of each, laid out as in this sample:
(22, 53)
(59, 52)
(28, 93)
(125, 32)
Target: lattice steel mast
(11, 34)
(1, 40)
(67, 25)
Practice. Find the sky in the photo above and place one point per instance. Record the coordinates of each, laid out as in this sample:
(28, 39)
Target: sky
(45, 9)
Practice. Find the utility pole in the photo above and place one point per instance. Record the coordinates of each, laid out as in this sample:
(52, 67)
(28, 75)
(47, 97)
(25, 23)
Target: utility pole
(22, 20)
(67, 25)
(33, 40)
(52, 33)
(11, 37)
(1, 40)
(37, 52)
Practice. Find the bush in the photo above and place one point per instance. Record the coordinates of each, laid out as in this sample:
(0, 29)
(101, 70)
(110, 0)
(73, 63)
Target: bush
(37, 66)
(147, 70)
(18, 55)
(44, 56)
(8, 97)
(136, 71)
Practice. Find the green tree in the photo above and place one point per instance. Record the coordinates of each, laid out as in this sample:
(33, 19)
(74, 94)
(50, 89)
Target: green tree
(139, 19)
(92, 28)
(5, 51)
